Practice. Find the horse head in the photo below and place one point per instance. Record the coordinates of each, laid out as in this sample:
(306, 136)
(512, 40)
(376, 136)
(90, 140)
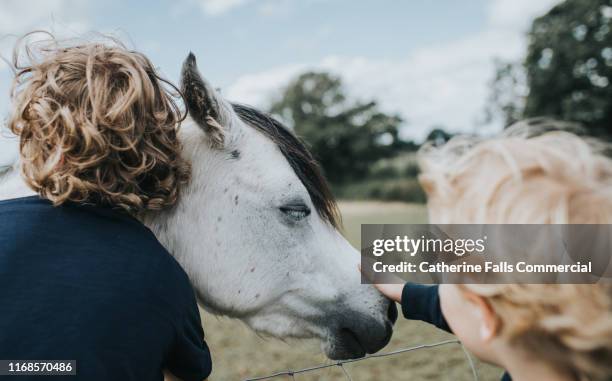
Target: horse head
(257, 230)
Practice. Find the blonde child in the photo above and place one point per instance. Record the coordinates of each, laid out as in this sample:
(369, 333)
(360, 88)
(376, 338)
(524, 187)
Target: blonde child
(535, 332)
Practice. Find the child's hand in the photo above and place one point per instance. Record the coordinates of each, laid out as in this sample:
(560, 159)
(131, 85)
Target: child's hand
(391, 291)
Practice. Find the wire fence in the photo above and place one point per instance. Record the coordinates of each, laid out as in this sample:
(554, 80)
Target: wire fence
(345, 371)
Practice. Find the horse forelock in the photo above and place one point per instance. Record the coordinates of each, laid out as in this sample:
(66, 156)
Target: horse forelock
(300, 159)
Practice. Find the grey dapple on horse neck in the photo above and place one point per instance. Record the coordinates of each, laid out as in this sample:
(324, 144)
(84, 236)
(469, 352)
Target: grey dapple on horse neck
(256, 230)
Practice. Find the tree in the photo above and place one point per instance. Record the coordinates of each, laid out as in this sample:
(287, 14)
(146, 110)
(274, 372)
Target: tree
(346, 137)
(569, 64)
(508, 93)
(567, 68)
(438, 135)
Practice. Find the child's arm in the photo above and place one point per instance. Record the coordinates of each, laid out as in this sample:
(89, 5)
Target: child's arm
(418, 302)
(421, 302)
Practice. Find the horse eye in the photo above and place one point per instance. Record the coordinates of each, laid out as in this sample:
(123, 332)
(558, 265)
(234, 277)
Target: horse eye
(296, 211)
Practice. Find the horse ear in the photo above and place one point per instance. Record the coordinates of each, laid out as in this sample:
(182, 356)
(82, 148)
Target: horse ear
(203, 103)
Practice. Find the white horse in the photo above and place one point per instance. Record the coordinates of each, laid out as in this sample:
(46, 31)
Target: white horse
(256, 230)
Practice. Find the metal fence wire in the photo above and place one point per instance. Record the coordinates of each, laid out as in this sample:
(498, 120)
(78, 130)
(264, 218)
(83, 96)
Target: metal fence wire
(345, 371)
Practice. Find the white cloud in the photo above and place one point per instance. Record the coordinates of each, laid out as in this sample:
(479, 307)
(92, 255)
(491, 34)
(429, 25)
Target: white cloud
(218, 7)
(516, 14)
(269, 8)
(63, 18)
(9, 148)
(258, 88)
(18, 16)
(443, 84)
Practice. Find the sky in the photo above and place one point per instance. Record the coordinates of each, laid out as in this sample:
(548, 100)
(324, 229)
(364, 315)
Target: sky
(428, 61)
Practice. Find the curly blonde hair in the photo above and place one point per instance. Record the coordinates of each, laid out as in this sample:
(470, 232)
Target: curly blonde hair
(566, 325)
(96, 124)
(536, 172)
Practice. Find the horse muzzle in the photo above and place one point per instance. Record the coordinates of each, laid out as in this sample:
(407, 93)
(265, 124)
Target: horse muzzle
(356, 334)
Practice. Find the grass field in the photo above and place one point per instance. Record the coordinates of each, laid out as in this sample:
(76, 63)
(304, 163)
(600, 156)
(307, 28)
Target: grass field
(239, 353)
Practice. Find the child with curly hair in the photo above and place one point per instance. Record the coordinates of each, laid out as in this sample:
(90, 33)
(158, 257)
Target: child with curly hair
(81, 278)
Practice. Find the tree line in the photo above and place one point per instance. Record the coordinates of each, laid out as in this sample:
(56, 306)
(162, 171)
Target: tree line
(565, 74)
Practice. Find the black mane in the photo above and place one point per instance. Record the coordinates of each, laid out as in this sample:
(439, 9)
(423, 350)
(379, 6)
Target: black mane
(304, 165)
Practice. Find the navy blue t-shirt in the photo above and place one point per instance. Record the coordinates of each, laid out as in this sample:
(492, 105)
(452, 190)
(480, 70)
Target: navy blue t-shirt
(93, 284)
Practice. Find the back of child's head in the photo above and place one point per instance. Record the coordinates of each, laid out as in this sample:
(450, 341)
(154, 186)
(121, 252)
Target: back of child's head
(96, 125)
(533, 176)
(529, 174)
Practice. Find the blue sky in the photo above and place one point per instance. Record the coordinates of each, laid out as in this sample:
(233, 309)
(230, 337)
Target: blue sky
(257, 35)
(429, 61)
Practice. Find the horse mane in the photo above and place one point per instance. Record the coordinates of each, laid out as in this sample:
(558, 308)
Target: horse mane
(301, 160)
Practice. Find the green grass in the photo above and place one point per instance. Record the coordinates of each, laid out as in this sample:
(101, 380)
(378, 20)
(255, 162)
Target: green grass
(355, 213)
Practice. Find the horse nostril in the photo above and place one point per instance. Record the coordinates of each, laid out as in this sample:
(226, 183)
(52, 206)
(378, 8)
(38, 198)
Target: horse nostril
(366, 335)
(392, 312)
